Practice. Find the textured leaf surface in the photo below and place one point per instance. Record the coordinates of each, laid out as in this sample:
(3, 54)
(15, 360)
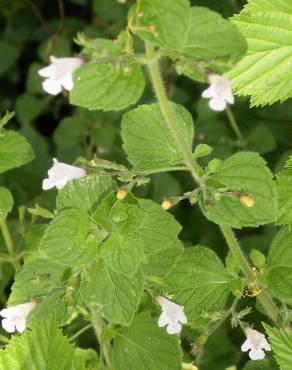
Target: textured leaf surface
(282, 346)
(42, 348)
(114, 294)
(106, 86)
(14, 151)
(84, 194)
(198, 32)
(147, 140)
(145, 346)
(199, 282)
(70, 239)
(284, 189)
(265, 72)
(280, 265)
(244, 173)
(6, 202)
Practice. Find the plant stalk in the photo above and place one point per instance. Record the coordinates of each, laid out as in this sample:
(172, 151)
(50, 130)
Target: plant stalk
(264, 297)
(9, 244)
(235, 126)
(104, 348)
(174, 128)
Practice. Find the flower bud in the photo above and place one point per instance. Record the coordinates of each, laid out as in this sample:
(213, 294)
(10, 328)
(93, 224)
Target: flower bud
(122, 193)
(247, 201)
(168, 203)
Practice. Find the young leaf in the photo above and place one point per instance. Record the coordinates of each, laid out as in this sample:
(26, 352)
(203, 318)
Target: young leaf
(14, 151)
(71, 239)
(106, 86)
(44, 347)
(113, 293)
(145, 346)
(85, 194)
(248, 196)
(265, 72)
(284, 189)
(147, 140)
(199, 282)
(279, 265)
(6, 202)
(282, 346)
(198, 32)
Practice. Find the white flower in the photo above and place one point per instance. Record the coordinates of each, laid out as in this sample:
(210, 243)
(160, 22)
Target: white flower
(60, 174)
(255, 343)
(219, 92)
(59, 74)
(15, 317)
(172, 315)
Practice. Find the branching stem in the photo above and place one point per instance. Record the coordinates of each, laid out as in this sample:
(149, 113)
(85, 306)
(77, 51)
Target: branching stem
(235, 126)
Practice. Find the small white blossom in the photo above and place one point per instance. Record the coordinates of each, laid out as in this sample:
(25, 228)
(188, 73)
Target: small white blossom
(172, 315)
(60, 174)
(219, 92)
(255, 343)
(59, 74)
(15, 317)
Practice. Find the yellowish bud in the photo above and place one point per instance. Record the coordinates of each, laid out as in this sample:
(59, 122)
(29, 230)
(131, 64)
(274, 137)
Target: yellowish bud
(122, 193)
(247, 201)
(167, 204)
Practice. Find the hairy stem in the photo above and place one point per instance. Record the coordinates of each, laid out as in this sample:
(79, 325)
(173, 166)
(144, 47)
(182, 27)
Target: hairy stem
(104, 348)
(264, 297)
(235, 126)
(9, 244)
(169, 115)
(189, 160)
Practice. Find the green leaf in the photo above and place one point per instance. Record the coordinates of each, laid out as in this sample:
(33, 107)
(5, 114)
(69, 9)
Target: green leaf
(147, 140)
(8, 56)
(42, 348)
(199, 282)
(284, 189)
(279, 265)
(15, 151)
(261, 140)
(6, 202)
(145, 346)
(198, 32)
(282, 346)
(106, 86)
(113, 293)
(85, 194)
(265, 72)
(71, 239)
(243, 174)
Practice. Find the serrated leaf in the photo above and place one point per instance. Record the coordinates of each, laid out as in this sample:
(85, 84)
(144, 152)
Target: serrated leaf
(14, 151)
(6, 202)
(244, 173)
(265, 73)
(113, 293)
(43, 281)
(199, 282)
(106, 86)
(279, 265)
(198, 32)
(284, 190)
(85, 194)
(145, 346)
(42, 348)
(148, 142)
(282, 346)
(71, 239)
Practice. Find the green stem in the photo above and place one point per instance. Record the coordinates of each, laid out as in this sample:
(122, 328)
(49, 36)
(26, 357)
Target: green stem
(9, 244)
(79, 332)
(97, 323)
(190, 162)
(169, 115)
(264, 297)
(235, 126)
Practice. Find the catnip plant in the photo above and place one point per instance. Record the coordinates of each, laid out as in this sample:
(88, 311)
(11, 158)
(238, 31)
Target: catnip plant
(106, 278)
